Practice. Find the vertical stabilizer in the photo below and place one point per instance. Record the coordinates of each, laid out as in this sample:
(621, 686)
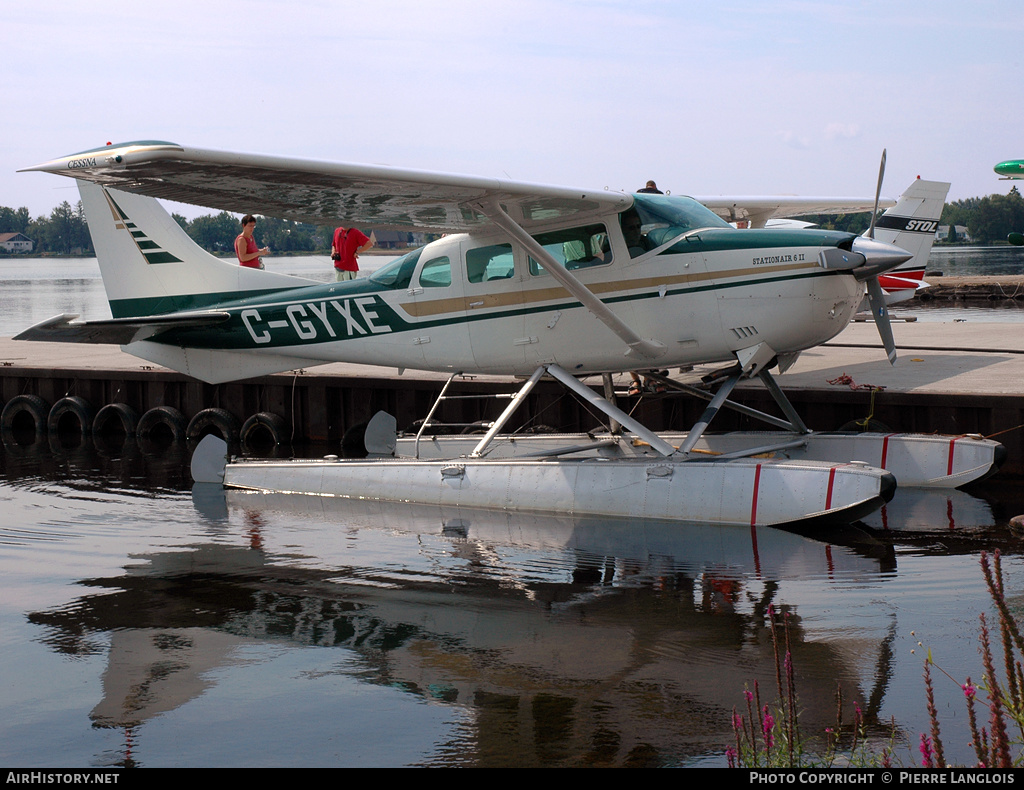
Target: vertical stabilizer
(911, 224)
(150, 266)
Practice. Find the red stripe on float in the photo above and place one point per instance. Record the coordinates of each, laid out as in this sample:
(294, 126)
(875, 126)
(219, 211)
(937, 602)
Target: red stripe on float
(885, 449)
(949, 462)
(753, 500)
(831, 481)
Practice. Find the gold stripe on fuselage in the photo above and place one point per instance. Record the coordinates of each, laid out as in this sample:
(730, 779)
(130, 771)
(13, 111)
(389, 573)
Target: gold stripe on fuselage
(523, 296)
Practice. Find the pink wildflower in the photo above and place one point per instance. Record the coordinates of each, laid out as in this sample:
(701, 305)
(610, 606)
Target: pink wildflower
(969, 690)
(749, 695)
(767, 725)
(926, 751)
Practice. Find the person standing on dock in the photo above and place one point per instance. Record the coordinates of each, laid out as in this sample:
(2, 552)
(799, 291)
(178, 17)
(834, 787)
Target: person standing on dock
(348, 243)
(245, 245)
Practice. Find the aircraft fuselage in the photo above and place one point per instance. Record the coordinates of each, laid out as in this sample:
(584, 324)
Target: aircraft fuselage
(475, 302)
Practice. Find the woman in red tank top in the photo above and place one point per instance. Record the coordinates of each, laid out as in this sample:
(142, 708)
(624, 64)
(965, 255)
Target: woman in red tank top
(245, 245)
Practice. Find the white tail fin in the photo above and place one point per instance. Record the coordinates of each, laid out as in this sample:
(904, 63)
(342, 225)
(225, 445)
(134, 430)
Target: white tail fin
(150, 266)
(911, 224)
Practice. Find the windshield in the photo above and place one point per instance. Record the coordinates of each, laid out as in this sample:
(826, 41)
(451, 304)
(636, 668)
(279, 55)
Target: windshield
(398, 273)
(663, 217)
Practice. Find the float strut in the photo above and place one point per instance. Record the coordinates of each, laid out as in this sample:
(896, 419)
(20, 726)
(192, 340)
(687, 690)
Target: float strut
(589, 396)
(709, 414)
(509, 411)
(783, 402)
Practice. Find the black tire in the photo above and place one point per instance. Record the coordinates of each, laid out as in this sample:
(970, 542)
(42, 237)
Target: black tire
(263, 429)
(162, 420)
(24, 415)
(218, 421)
(116, 418)
(66, 413)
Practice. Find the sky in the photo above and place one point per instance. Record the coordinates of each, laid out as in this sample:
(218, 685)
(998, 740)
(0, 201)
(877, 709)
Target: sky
(739, 98)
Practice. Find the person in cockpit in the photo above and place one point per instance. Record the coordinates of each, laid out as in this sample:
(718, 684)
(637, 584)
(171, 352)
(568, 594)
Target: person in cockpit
(632, 231)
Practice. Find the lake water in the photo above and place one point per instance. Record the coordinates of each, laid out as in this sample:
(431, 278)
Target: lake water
(144, 623)
(147, 624)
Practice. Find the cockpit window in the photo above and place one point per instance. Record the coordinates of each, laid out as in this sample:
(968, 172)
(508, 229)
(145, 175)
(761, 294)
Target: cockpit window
(661, 218)
(436, 273)
(398, 273)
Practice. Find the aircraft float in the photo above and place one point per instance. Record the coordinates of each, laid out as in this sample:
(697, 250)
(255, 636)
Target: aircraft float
(531, 281)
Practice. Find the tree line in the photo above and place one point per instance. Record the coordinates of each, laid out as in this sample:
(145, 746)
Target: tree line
(217, 232)
(988, 220)
(65, 231)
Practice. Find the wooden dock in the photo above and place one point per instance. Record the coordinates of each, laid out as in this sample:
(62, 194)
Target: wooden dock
(953, 378)
(973, 289)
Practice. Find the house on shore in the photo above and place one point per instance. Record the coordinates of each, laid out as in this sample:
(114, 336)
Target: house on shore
(15, 242)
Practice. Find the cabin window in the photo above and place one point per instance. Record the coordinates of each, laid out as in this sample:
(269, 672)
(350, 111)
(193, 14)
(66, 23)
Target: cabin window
(575, 248)
(436, 273)
(398, 273)
(490, 263)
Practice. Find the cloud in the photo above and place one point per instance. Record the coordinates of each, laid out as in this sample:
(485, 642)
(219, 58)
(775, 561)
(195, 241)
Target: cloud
(793, 139)
(842, 131)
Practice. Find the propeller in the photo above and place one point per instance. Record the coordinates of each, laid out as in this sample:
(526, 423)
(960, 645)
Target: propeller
(866, 259)
(876, 297)
(878, 192)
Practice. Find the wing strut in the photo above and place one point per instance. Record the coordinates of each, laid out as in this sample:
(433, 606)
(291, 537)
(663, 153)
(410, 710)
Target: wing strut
(650, 349)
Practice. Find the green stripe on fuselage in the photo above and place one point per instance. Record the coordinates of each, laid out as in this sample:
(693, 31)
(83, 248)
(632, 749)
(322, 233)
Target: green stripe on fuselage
(345, 311)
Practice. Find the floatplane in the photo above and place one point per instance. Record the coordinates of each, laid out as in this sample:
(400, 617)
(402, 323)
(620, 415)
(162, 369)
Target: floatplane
(531, 281)
(1012, 170)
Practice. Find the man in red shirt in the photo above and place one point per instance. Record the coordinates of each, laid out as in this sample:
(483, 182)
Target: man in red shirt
(348, 243)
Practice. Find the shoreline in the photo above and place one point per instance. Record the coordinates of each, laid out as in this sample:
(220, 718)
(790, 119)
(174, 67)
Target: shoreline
(53, 256)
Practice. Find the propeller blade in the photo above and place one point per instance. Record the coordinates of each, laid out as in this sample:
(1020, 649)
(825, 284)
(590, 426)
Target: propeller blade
(878, 192)
(880, 312)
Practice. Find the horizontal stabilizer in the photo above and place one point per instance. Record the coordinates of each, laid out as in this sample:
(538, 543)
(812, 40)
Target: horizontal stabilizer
(115, 331)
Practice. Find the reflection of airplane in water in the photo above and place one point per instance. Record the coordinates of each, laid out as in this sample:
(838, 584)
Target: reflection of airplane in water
(932, 511)
(630, 642)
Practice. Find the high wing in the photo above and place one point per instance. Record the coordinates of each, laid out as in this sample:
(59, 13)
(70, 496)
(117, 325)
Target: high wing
(325, 192)
(379, 196)
(758, 209)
